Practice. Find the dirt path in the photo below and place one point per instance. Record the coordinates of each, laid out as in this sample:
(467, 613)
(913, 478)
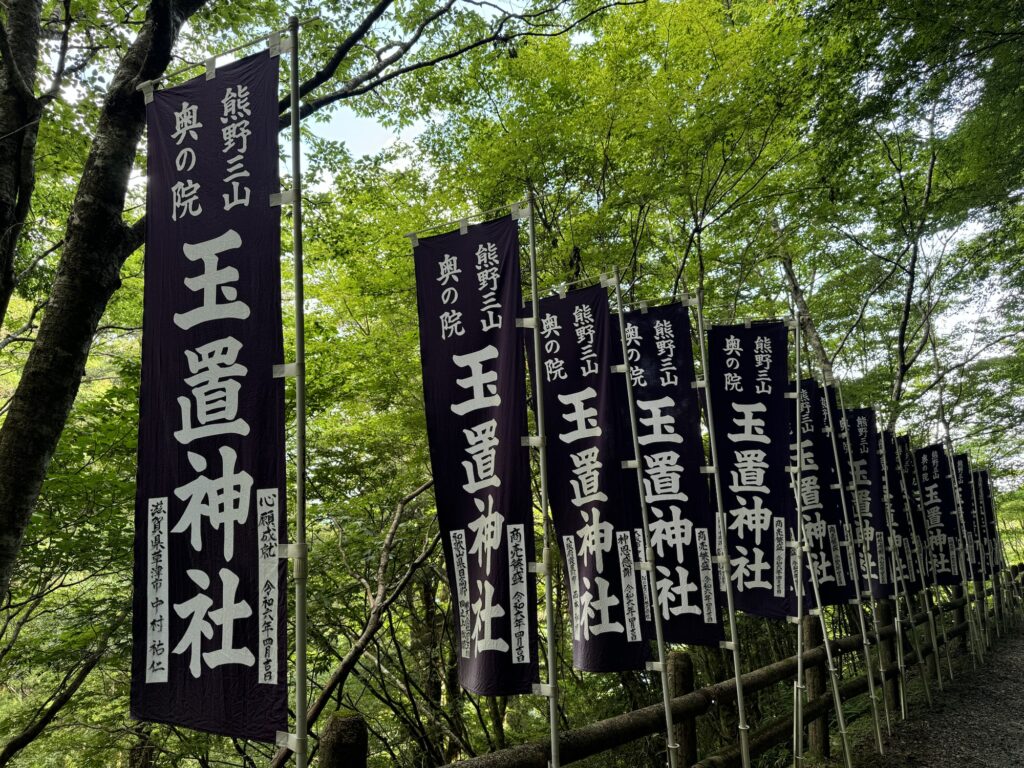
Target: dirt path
(977, 721)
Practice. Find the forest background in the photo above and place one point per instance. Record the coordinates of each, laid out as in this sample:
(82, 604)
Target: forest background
(862, 161)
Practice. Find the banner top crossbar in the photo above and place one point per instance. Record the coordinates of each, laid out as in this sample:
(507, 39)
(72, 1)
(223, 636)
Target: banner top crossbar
(148, 85)
(518, 210)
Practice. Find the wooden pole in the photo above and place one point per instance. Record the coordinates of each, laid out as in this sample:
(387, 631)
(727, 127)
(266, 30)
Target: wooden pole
(682, 681)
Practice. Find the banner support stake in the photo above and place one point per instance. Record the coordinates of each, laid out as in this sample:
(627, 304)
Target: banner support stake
(301, 755)
(853, 558)
(798, 684)
(966, 567)
(987, 547)
(982, 565)
(935, 586)
(890, 541)
(916, 541)
(538, 385)
(837, 699)
(733, 644)
(966, 578)
(659, 631)
(866, 576)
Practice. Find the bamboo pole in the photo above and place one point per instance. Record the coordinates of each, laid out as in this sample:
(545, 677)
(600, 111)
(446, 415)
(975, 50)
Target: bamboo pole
(799, 686)
(671, 747)
(917, 546)
(546, 561)
(890, 541)
(935, 578)
(853, 557)
(724, 562)
(837, 700)
(866, 552)
(301, 704)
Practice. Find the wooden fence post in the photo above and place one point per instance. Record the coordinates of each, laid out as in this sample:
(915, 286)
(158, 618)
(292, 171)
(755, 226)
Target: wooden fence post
(960, 613)
(815, 677)
(681, 682)
(887, 648)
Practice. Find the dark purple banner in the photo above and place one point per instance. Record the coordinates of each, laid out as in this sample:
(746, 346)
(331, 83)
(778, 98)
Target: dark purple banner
(682, 523)
(820, 502)
(209, 642)
(474, 391)
(965, 484)
(993, 549)
(594, 500)
(942, 533)
(916, 516)
(747, 383)
(872, 526)
(901, 536)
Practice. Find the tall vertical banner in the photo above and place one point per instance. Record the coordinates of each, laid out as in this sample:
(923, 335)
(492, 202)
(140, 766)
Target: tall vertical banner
(901, 532)
(995, 552)
(209, 606)
(962, 470)
(747, 381)
(819, 500)
(682, 523)
(594, 501)
(474, 390)
(871, 523)
(941, 529)
(915, 511)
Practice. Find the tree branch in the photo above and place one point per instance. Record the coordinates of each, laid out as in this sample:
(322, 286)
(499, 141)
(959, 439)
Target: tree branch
(28, 734)
(326, 72)
(29, 325)
(379, 603)
(375, 76)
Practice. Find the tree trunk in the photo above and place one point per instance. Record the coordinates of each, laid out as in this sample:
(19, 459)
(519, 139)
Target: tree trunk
(96, 244)
(344, 742)
(143, 752)
(19, 113)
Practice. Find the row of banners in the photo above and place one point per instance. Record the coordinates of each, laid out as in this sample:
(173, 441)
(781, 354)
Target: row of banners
(898, 503)
(210, 620)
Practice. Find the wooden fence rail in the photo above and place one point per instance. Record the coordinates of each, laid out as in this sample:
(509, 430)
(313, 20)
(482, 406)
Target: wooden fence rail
(594, 738)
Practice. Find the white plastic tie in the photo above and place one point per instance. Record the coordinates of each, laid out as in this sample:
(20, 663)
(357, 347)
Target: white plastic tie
(285, 371)
(277, 199)
(292, 551)
(290, 741)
